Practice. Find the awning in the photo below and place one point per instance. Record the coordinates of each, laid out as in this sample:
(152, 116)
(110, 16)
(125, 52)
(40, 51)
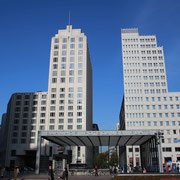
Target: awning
(98, 138)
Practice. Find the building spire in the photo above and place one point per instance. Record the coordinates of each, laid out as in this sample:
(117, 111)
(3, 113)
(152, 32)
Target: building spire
(69, 16)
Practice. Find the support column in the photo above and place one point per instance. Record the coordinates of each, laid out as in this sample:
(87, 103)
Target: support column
(159, 153)
(38, 153)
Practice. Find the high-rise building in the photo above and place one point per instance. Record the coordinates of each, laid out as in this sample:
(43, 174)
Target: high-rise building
(66, 106)
(147, 104)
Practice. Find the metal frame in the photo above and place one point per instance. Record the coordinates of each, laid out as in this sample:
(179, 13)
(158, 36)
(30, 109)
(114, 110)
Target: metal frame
(96, 138)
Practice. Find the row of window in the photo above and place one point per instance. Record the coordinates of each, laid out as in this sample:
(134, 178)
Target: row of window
(147, 99)
(129, 58)
(28, 103)
(141, 40)
(152, 107)
(70, 89)
(143, 64)
(142, 52)
(71, 80)
(70, 95)
(64, 46)
(42, 121)
(71, 59)
(65, 40)
(42, 127)
(152, 115)
(71, 66)
(153, 123)
(71, 52)
(18, 97)
(137, 46)
(144, 77)
(169, 149)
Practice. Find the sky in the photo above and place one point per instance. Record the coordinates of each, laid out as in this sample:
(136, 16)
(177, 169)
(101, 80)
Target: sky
(27, 26)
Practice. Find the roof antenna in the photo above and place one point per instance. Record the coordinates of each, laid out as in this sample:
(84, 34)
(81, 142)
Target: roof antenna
(69, 16)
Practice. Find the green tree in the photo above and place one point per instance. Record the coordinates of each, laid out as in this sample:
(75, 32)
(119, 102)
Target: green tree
(114, 159)
(100, 160)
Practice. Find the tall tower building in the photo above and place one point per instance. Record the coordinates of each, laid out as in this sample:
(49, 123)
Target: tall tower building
(147, 104)
(70, 85)
(66, 106)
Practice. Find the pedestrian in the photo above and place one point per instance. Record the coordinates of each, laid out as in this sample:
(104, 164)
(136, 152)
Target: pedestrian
(51, 173)
(2, 169)
(96, 171)
(16, 172)
(65, 174)
(144, 170)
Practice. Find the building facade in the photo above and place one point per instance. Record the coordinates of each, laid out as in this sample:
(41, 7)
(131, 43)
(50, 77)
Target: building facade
(66, 106)
(147, 104)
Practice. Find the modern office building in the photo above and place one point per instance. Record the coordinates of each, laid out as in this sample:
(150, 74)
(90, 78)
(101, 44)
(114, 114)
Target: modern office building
(66, 106)
(147, 104)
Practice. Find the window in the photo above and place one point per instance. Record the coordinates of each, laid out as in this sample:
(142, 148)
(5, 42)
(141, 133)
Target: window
(161, 123)
(23, 141)
(64, 46)
(80, 39)
(64, 40)
(55, 53)
(80, 79)
(70, 127)
(177, 149)
(173, 123)
(32, 141)
(53, 89)
(71, 89)
(71, 66)
(71, 59)
(167, 123)
(61, 120)
(70, 107)
(80, 65)
(79, 120)
(42, 128)
(79, 89)
(80, 72)
(70, 120)
(51, 120)
(56, 40)
(72, 52)
(79, 126)
(72, 46)
(60, 127)
(79, 113)
(71, 80)
(51, 127)
(70, 114)
(80, 45)
(71, 72)
(72, 39)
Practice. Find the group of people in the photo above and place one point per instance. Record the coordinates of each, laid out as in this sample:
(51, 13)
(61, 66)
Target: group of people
(129, 169)
(8, 170)
(64, 174)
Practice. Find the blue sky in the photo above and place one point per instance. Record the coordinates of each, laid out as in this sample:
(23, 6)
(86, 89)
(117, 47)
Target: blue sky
(26, 28)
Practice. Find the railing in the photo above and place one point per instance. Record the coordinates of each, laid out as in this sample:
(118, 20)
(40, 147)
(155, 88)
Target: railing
(83, 172)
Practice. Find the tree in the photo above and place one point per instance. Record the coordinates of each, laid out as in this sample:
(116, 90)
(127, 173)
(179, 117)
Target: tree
(100, 160)
(114, 159)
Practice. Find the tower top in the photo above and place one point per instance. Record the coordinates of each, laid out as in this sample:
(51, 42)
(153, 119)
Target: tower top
(69, 17)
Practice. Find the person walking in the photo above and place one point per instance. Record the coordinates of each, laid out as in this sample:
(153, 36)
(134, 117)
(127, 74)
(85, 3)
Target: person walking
(65, 174)
(51, 173)
(2, 169)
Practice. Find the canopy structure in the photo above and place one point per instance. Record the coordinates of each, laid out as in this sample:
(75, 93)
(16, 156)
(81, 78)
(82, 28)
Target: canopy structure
(97, 138)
